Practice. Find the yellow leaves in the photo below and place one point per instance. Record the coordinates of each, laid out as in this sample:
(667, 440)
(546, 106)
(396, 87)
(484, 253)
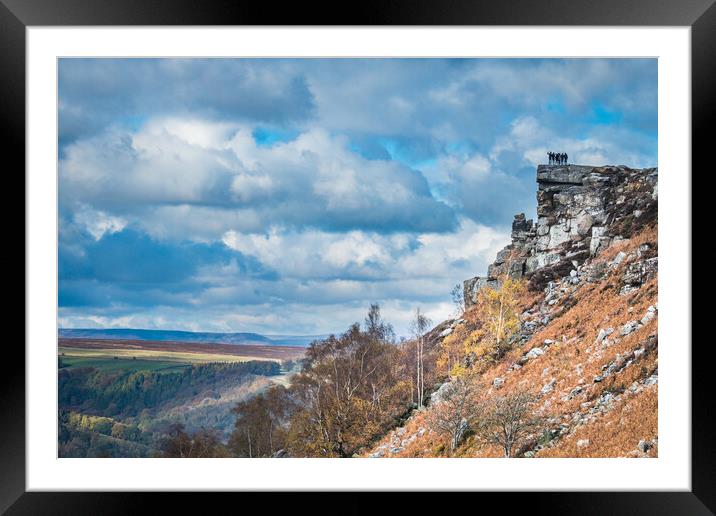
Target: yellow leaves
(493, 320)
(500, 311)
(459, 370)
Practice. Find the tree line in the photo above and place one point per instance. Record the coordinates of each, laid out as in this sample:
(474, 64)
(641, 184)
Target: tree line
(127, 393)
(350, 389)
(121, 413)
(354, 387)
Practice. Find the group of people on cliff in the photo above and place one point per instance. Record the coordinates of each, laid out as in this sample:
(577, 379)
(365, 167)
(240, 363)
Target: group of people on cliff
(557, 158)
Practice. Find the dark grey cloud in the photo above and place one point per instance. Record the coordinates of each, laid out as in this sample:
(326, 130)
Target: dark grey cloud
(95, 93)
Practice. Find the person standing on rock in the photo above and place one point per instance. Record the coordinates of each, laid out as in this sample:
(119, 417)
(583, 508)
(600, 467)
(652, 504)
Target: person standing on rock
(566, 158)
(550, 156)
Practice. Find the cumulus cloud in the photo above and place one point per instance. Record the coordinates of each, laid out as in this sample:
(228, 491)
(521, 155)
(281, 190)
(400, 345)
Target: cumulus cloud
(530, 141)
(285, 195)
(201, 170)
(96, 93)
(360, 255)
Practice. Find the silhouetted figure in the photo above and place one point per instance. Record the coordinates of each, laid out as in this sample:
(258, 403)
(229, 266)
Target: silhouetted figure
(557, 158)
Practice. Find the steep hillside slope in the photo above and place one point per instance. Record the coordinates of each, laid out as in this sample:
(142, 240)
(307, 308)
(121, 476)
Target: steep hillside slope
(586, 350)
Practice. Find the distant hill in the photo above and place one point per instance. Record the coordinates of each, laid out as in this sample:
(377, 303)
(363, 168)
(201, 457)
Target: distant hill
(188, 336)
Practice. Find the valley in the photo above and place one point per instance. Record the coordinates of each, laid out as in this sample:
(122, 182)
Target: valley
(125, 398)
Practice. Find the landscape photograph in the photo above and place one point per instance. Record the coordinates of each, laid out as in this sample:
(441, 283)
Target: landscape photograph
(354, 258)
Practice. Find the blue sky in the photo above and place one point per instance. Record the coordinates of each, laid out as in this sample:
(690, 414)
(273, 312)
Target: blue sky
(284, 196)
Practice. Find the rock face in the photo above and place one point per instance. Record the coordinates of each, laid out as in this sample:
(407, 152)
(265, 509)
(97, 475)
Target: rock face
(581, 211)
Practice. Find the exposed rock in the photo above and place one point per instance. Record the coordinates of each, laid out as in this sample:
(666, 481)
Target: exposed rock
(440, 394)
(498, 382)
(472, 286)
(534, 353)
(630, 327)
(596, 272)
(638, 273)
(548, 387)
(583, 443)
(644, 446)
(603, 334)
(619, 259)
(531, 354)
(574, 392)
(649, 315)
(280, 454)
(581, 211)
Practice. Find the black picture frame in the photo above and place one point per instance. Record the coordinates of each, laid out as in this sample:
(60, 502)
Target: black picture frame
(17, 15)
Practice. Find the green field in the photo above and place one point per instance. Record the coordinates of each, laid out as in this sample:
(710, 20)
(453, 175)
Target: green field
(140, 359)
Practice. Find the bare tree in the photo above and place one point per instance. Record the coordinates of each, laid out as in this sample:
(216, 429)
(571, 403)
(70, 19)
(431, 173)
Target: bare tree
(456, 407)
(458, 298)
(376, 327)
(510, 420)
(419, 326)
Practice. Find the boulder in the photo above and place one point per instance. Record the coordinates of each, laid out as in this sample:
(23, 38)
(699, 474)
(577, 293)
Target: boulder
(440, 394)
(534, 353)
(445, 332)
(649, 315)
(584, 224)
(630, 327)
(548, 387)
(603, 334)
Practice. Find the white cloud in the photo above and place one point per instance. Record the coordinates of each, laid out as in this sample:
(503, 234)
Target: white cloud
(320, 255)
(212, 174)
(167, 148)
(97, 223)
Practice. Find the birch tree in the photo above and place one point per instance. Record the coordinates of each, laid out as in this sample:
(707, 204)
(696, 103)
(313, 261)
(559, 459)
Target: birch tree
(419, 326)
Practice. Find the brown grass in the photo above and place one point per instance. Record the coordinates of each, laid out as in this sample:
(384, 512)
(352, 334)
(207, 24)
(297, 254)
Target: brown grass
(616, 433)
(574, 360)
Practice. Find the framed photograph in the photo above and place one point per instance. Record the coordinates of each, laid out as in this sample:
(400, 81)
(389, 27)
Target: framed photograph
(417, 249)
